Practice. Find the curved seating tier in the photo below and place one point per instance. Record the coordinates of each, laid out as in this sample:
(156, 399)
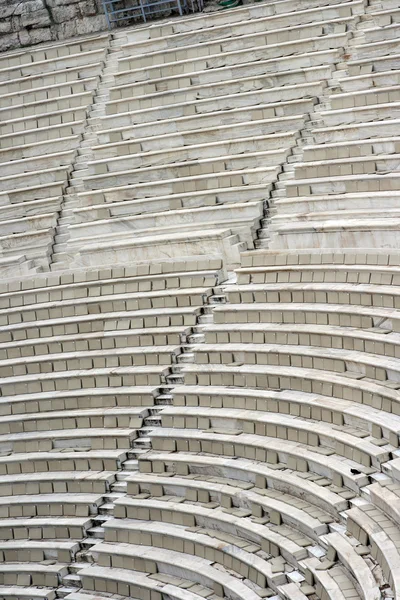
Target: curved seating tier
(349, 152)
(158, 146)
(169, 428)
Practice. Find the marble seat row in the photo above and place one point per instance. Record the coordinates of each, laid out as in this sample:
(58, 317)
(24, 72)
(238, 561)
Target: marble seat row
(151, 560)
(278, 506)
(323, 461)
(175, 107)
(270, 540)
(361, 106)
(38, 551)
(344, 414)
(241, 28)
(203, 70)
(52, 64)
(46, 94)
(49, 52)
(228, 550)
(66, 482)
(344, 441)
(169, 430)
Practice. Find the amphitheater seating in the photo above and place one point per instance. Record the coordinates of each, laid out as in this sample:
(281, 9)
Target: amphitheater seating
(165, 104)
(199, 308)
(351, 159)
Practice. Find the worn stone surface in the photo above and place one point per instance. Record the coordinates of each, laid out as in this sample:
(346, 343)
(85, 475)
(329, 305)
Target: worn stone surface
(35, 21)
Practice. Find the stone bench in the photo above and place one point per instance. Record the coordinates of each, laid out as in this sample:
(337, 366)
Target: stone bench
(26, 224)
(279, 507)
(271, 540)
(227, 550)
(207, 200)
(44, 162)
(249, 99)
(67, 47)
(54, 462)
(323, 272)
(30, 209)
(74, 380)
(374, 230)
(52, 64)
(32, 244)
(78, 482)
(369, 526)
(52, 78)
(364, 295)
(356, 131)
(85, 438)
(385, 496)
(197, 182)
(344, 414)
(376, 96)
(349, 202)
(385, 16)
(49, 92)
(44, 505)
(137, 322)
(268, 450)
(153, 336)
(370, 80)
(29, 151)
(341, 549)
(340, 150)
(195, 170)
(274, 476)
(56, 174)
(32, 574)
(356, 165)
(330, 584)
(217, 242)
(223, 82)
(360, 114)
(38, 551)
(39, 528)
(212, 19)
(185, 273)
(277, 28)
(370, 51)
(48, 105)
(15, 592)
(111, 152)
(180, 125)
(279, 427)
(352, 443)
(255, 147)
(384, 63)
(136, 585)
(342, 315)
(92, 359)
(101, 397)
(135, 557)
(238, 95)
(337, 360)
(117, 202)
(242, 218)
(217, 55)
(106, 303)
(331, 385)
(14, 141)
(16, 265)
(67, 115)
(210, 68)
(96, 418)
